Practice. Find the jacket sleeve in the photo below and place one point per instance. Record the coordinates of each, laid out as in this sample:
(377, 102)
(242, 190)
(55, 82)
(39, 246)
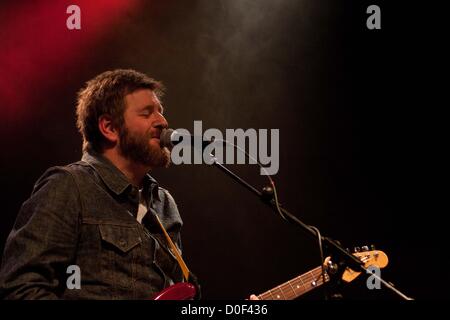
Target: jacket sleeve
(42, 243)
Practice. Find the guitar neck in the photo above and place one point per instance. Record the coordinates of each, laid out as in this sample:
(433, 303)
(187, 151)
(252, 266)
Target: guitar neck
(296, 287)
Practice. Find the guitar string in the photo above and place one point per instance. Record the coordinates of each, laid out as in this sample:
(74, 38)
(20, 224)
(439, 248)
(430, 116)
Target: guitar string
(314, 275)
(308, 277)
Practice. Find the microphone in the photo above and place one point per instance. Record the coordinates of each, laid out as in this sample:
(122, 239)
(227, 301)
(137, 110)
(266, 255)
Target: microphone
(169, 138)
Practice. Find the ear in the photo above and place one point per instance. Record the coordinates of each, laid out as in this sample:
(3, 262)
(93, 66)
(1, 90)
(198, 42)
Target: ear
(106, 127)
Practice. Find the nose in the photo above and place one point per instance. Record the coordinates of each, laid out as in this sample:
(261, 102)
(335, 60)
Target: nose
(161, 122)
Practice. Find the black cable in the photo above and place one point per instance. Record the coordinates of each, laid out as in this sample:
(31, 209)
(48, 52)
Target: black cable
(277, 204)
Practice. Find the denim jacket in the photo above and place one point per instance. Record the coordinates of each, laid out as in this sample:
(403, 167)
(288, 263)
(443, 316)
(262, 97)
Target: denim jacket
(84, 214)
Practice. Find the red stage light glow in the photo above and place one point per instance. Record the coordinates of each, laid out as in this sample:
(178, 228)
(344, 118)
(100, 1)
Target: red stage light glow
(37, 46)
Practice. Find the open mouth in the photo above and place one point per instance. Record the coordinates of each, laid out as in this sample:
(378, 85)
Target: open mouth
(156, 139)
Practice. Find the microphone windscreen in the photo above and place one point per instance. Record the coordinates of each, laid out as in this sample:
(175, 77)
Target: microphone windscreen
(165, 139)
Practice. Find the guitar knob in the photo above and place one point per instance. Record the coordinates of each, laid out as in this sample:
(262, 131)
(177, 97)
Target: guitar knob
(372, 247)
(365, 248)
(356, 249)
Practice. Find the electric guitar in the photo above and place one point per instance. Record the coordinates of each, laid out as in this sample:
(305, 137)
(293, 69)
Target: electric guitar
(291, 289)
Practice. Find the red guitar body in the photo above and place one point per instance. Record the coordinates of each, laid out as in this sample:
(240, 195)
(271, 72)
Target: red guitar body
(178, 291)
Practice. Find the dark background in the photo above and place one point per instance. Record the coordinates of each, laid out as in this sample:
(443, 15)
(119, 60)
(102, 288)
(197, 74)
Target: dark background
(355, 109)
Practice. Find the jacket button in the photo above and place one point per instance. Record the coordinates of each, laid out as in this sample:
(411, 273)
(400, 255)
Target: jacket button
(122, 242)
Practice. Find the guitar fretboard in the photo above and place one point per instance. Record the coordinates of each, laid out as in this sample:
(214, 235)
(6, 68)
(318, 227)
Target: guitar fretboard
(296, 287)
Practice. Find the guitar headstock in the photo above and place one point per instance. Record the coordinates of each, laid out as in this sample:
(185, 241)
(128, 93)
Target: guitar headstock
(369, 258)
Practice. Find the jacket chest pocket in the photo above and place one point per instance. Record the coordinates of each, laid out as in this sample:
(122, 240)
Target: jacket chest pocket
(122, 247)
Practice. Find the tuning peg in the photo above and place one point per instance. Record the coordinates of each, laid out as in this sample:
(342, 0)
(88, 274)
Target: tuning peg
(356, 249)
(365, 248)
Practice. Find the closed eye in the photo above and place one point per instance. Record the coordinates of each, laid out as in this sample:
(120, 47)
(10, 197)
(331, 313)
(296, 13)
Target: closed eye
(148, 110)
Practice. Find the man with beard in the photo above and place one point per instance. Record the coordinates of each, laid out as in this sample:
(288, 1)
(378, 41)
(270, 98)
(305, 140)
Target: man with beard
(91, 230)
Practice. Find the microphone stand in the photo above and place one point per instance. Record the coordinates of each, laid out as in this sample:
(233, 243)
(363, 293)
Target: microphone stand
(348, 259)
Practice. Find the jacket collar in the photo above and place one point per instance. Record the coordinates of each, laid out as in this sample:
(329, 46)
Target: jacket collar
(113, 178)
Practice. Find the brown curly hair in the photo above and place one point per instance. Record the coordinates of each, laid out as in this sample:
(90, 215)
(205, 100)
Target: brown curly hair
(105, 95)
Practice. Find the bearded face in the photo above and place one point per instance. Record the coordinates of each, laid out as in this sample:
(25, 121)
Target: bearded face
(141, 149)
